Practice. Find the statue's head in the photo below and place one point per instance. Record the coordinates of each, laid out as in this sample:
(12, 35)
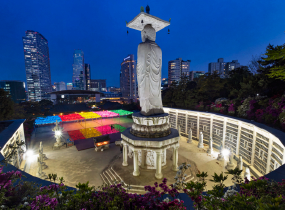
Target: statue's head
(148, 33)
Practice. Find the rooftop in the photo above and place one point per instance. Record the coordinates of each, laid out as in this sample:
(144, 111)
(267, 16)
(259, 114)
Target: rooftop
(75, 92)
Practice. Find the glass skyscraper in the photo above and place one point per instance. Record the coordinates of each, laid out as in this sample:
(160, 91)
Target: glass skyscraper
(128, 76)
(79, 77)
(37, 65)
(88, 75)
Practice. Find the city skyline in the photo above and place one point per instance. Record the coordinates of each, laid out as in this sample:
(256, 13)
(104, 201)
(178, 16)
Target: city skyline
(241, 34)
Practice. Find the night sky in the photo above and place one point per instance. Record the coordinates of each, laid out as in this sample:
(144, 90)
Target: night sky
(200, 31)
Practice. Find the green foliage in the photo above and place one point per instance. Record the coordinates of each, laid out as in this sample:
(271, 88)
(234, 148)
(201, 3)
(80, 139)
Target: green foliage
(6, 106)
(274, 63)
(19, 112)
(236, 175)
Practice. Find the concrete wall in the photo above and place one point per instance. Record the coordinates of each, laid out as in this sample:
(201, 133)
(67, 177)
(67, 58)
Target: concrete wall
(260, 146)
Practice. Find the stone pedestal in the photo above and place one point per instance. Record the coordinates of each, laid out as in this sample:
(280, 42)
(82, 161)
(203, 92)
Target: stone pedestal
(156, 146)
(200, 144)
(210, 149)
(189, 140)
(231, 164)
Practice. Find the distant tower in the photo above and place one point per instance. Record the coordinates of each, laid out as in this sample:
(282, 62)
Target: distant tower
(147, 9)
(37, 65)
(79, 77)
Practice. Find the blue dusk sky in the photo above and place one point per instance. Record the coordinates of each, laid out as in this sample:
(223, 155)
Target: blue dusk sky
(200, 31)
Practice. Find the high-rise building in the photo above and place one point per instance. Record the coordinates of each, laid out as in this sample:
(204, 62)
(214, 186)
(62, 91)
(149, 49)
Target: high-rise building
(16, 89)
(88, 75)
(79, 77)
(113, 89)
(221, 67)
(128, 84)
(59, 86)
(37, 65)
(98, 85)
(178, 68)
(231, 66)
(69, 86)
(196, 74)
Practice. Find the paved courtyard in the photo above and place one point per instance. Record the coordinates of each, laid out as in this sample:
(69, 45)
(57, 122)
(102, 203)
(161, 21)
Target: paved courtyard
(87, 165)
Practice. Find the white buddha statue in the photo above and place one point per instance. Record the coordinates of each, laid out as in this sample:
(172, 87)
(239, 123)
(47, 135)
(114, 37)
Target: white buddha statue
(149, 73)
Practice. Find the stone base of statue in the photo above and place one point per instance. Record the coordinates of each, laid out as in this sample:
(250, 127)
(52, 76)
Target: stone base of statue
(44, 156)
(58, 144)
(221, 157)
(210, 150)
(154, 126)
(150, 153)
(44, 166)
(230, 166)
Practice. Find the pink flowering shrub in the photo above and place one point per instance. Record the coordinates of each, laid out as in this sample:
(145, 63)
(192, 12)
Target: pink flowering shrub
(56, 196)
(231, 109)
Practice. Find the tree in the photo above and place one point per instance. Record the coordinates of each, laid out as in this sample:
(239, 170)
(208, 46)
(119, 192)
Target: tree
(274, 64)
(19, 112)
(6, 105)
(254, 65)
(180, 91)
(236, 81)
(210, 87)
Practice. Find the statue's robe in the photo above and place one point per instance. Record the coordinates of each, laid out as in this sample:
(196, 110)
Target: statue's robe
(149, 77)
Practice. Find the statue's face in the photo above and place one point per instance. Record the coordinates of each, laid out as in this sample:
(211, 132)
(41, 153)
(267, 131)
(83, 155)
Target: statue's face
(148, 33)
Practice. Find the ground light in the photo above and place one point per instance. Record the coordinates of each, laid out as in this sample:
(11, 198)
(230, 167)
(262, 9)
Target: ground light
(225, 152)
(29, 153)
(30, 156)
(57, 133)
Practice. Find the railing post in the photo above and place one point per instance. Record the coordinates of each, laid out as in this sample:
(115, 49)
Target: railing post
(224, 131)
(269, 153)
(186, 124)
(198, 124)
(253, 146)
(238, 138)
(176, 119)
(211, 127)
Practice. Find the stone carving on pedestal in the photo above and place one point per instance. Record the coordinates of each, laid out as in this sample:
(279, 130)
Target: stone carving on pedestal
(40, 172)
(247, 173)
(221, 156)
(58, 132)
(210, 149)
(150, 134)
(200, 144)
(240, 163)
(189, 136)
(149, 73)
(230, 164)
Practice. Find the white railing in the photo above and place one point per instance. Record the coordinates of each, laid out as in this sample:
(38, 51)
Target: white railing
(260, 149)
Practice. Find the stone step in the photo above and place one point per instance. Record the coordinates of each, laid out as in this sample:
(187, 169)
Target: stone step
(109, 176)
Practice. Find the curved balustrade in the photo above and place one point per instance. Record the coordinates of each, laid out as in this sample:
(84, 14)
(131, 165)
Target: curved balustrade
(261, 147)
